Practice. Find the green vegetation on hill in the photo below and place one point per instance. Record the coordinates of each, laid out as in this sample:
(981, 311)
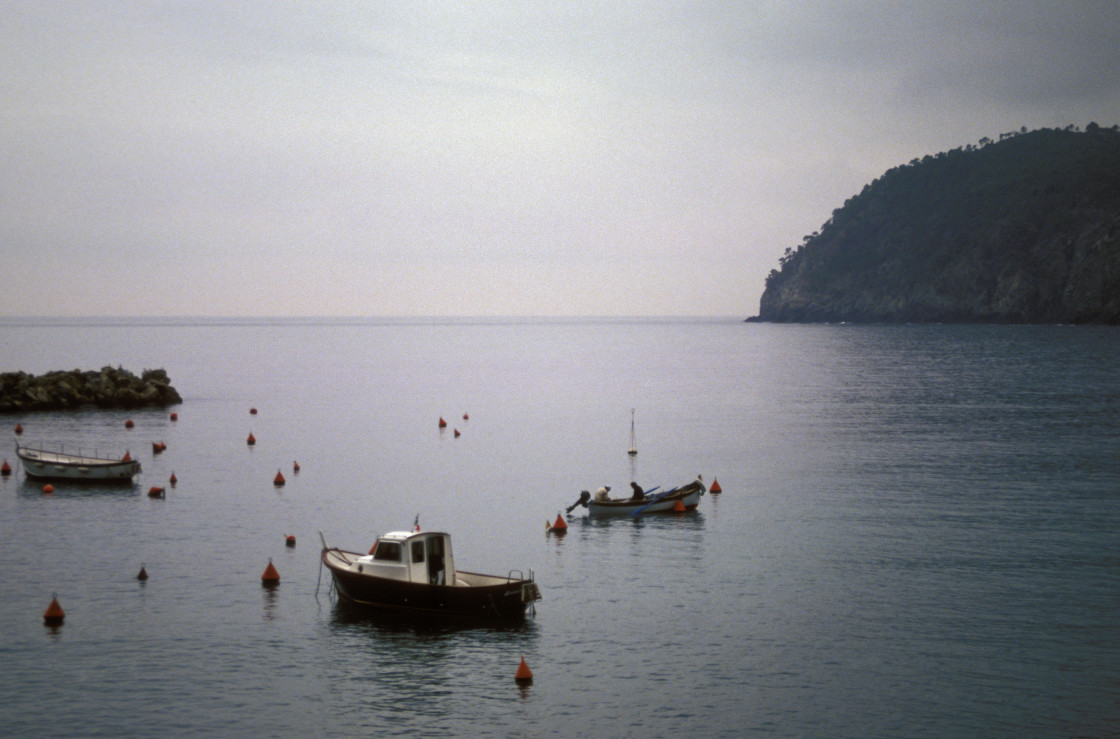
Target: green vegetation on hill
(1023, 230)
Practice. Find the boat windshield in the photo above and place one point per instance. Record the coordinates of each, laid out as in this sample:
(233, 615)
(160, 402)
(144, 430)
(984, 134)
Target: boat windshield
(388, 550)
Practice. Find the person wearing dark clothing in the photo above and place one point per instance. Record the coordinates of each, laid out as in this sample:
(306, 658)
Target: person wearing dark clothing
(639, 494)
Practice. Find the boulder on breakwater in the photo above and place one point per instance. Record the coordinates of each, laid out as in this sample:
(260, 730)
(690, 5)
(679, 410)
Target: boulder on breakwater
(108, 388)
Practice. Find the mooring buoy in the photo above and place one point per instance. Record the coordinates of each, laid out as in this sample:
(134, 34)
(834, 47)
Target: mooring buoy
(270, 575)
(524, 675)
(54, 614)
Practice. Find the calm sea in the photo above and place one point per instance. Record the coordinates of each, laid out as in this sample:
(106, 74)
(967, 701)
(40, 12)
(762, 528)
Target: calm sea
(918, 535)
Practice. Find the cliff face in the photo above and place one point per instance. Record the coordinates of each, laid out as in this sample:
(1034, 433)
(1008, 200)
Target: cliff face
(1026, 230)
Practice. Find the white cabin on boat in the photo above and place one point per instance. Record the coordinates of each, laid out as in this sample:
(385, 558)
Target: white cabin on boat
(419, 557)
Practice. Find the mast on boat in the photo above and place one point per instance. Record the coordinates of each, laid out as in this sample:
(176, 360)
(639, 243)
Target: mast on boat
(633, 445)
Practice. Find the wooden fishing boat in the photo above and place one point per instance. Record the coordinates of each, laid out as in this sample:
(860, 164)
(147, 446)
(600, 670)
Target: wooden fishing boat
(45, 463)
(601, 505)
(415, 572)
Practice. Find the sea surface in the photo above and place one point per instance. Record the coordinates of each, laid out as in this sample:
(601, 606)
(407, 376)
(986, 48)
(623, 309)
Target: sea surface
(918, 534)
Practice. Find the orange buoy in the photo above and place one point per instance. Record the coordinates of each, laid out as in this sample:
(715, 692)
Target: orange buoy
(158, 446)
(442, 423)
(54, 614)
(174, 416)
(295, 467)
(523, 674)
(19, 429)
(252, 411)
(466, 416)
(559, 526)
(678, 507)
(290, 540)
(715, 488)
(251, 440)
(270, 575)
(279, 480)
(129, 424)
(143, 573)
(5, 469)
(457, 433)
(48, 489)
(155, 492)
(173, 479)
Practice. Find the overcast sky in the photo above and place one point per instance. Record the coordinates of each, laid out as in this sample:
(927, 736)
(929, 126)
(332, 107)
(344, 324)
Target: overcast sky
(484, 159)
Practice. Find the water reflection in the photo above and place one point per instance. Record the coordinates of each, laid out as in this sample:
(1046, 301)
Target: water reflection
(270, 591)
(29, 487)
(658, 521)
(351, 618)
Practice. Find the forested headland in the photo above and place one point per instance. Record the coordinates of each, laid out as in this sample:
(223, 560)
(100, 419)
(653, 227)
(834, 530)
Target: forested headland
(1023, 229)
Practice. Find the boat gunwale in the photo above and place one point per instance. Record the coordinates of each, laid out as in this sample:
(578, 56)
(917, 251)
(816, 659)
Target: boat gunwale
(62, 458)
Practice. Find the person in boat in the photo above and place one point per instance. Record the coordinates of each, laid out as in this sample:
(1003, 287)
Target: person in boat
(639, 494)
(601, 494)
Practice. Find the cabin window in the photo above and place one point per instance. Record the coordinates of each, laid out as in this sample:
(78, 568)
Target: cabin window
(388, 550)
(417, 551)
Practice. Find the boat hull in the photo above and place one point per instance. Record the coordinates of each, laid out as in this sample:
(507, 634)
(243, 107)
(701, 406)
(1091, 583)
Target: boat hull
(475, 596)
(689, 496)
(42, 464)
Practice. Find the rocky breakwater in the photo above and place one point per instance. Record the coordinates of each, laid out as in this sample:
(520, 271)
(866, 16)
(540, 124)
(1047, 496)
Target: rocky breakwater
(107, 388)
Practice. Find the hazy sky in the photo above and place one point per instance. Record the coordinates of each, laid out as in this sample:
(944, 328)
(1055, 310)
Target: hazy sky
(486, 158)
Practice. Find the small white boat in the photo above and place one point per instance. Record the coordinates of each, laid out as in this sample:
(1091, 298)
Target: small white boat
(84, 466)
(688, 496)
(414, 572)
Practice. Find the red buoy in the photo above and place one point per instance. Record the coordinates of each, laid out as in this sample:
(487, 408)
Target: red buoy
(524, 674)
(442, 423)
(5, 469)
(48, 489)
(715, 488)
(154, 492)
(279, 480)
(173, 479)
(295, 467)
(129, 424)
(466, 416)
(54, 614)
(270, 575)
(174, 416)
(251, 440)
(143, 574)
(290, 540)
(457, 433)
(158, 446)
(559, 526)
(19, 429)
(252, 411)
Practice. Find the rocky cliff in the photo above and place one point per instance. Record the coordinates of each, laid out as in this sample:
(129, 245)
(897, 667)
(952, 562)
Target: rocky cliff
(1023, 230)
(109, 388)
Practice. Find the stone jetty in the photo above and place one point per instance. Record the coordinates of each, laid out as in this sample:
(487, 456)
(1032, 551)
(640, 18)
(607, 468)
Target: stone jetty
(75, 389)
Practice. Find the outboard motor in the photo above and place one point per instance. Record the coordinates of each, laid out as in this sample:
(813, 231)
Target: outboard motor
(584, 496)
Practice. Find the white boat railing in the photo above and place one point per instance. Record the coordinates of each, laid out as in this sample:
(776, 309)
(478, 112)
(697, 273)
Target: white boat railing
(69, 450)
